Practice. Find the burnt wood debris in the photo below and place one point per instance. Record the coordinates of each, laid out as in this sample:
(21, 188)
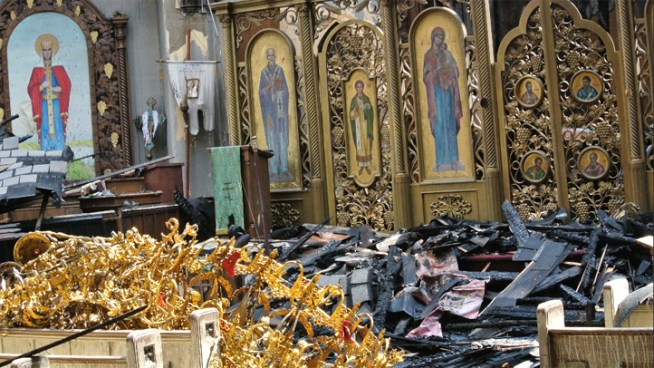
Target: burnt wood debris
(462, 293)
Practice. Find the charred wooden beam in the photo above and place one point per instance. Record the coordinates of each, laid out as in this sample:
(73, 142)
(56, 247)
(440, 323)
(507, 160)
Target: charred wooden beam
(393, 263)
(547, 259)
(303, 240)
(558, 278)
(572, 293)
(589, 260)
(490, 275)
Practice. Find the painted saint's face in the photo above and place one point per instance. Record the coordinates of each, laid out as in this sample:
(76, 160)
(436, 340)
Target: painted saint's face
(46, 51)
(359, 88)
(270, 55)
(438, 39)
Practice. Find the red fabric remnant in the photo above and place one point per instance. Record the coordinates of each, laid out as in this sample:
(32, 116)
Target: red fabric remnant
(229, 263)
(345, 331)
(162, 301)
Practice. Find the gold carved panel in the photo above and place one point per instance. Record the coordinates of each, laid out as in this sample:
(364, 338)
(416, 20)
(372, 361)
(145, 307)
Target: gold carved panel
(463, 204)
(589, 120)
(284, 214)
(527, 127)
(561, 116)
(353, 51)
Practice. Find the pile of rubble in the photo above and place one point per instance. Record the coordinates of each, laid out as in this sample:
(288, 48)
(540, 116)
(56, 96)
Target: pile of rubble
(453, 293)
(465, 293)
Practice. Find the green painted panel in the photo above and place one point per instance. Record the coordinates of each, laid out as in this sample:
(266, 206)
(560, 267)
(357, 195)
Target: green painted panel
(227, 186)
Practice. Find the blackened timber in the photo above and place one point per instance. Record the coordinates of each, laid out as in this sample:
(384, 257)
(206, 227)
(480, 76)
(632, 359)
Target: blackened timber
(557, 278)
(588, 259)
(487, 324)
(569, 237)
(516, 225)
(393, 262)
(490, 275)
(409, 276)
(303, 239)
(450, 357)
(528, 244)
(550, 255)
(618, 238)
(574, 294)
(333, 247)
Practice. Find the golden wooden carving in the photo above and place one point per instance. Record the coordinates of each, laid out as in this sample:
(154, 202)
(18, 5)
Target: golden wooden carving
(452, 205)
(527, 128)
(645, 97)
(357, 46)
(582, 119)
(582, 49)
(283, 214)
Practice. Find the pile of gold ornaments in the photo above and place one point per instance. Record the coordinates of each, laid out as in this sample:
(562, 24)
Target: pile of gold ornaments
(61, 281)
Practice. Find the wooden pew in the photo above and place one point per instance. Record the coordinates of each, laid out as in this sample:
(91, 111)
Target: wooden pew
(573, 347)
(113, 349)
(616, 299)
(142, 348)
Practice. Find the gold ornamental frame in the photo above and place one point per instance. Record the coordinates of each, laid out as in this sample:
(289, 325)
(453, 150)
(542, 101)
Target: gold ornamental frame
(502, 130)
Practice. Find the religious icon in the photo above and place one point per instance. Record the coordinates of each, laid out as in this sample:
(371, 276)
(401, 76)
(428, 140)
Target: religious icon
(362, 118)
(193, 88)
(49, 91)
(441, 79)
(586, 86)
(361, 111)
(535, 167)
(274, 110)
(529, 91)
(593, 162)
(273, 96)
(444, 131)
(148, 123)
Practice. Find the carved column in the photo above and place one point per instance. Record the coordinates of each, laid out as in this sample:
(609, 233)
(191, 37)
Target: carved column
(312, 109)
(401, 195)
(635, 172)
(479, 11)
(119, 22)
(230, 78)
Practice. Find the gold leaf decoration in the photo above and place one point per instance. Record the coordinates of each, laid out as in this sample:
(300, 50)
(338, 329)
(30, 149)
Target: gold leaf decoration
(108, 70)
(94, 36)
(12, 15)
(452, 205)
(114, 139)
(1, 42)
(2, 113)
(59, 3)
(30, 4)
(78, 10)
(369, 203)
(102, 106)
(283, 214)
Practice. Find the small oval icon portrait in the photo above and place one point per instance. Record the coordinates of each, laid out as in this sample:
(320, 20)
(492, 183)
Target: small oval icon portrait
(529, 91)
(586, 86)
(535, 166)
(593, 163)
